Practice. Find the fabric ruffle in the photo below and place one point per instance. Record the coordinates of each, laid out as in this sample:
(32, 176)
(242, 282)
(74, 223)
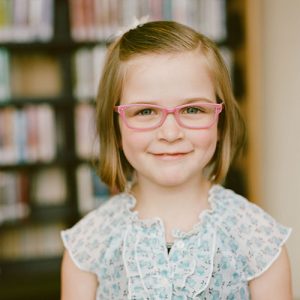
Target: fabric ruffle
(233, 242)
(88, 240)
(234, 234)
(153, 274)
(249, 233)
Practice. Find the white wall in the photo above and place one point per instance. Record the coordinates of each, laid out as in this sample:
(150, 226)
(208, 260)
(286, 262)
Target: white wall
(280, 158)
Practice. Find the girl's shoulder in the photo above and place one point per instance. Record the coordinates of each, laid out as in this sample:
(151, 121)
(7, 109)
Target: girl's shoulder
(232, 208)
(247, 231)
(113, 210)
(88, 238)
(221, 197)
(242, 218)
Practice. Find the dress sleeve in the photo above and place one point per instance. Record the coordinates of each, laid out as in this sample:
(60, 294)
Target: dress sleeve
(256, 236)
(83, 241)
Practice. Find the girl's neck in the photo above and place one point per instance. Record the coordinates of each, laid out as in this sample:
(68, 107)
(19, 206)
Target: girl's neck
(171, 203)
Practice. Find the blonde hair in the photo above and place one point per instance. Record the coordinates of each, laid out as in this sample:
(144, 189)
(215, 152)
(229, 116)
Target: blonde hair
(162, 37)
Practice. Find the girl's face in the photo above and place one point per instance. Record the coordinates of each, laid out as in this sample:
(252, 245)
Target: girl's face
(169, 155)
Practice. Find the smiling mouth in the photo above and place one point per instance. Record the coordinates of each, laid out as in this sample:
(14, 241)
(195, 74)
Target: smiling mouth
(170, 156)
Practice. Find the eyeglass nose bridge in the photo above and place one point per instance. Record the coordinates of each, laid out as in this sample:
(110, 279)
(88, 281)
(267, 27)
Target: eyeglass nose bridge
(168, 111)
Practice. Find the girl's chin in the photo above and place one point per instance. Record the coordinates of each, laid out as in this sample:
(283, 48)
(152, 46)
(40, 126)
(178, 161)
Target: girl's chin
(171, 180)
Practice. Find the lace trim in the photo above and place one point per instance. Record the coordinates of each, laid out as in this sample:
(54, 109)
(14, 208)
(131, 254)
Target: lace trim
(177, 233)
(154, 274)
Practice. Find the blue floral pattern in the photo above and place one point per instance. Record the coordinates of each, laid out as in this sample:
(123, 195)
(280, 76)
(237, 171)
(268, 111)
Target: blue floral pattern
(233, 242)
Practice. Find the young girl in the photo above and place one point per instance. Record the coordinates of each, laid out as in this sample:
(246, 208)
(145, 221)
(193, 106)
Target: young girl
(169, 128)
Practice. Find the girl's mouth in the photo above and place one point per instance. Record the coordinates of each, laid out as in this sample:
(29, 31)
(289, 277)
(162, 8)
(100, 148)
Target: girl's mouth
(170, 156)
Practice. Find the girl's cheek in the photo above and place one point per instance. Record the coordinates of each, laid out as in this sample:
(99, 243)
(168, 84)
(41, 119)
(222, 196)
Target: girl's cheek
(206, 136)
(134, 140)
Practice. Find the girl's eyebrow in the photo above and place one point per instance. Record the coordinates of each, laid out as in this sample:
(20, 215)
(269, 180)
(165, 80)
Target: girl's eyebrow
(197, 100)
(145, 102)
(182, 102)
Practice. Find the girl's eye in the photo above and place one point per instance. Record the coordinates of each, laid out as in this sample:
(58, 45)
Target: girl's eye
(141, 111)
(193, 110)
(145, 112)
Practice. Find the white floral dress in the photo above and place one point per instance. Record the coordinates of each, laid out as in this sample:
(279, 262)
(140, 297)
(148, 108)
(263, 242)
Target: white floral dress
(234, 242)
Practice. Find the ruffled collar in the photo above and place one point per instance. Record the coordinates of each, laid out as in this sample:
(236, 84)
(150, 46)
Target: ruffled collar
(177, 233)
(184, 272)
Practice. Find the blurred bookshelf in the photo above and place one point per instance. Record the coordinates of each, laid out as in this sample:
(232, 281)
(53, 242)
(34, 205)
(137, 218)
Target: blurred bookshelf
(51, 55)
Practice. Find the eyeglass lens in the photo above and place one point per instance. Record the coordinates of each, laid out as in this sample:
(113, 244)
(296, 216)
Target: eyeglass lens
(192, 116)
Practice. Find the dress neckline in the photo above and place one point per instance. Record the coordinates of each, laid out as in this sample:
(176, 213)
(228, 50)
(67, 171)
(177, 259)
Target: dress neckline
(176, 233)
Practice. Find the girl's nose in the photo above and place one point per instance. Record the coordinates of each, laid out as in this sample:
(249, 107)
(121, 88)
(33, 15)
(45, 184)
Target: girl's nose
(170, 130)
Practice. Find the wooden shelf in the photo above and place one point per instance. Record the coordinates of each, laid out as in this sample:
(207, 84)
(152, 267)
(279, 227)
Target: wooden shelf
(53, 101)
(32, 279)
(56, 46)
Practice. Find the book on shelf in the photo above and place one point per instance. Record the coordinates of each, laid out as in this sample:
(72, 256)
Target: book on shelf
(49, 186)
(4, 75)
(8, 135)
(103, 19)
(27, 134)
(46, 186)
(93, 20)
(83, 19)
(35, 75)
(92, 192)
(14, 196)
(208, 17)
(31, 76)
(46, 133)
(83, 71)
(26, 20)
(87, 66)
(227, 56)
(31, 242)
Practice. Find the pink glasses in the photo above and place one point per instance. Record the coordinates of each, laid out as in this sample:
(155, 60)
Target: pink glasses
(200, 115)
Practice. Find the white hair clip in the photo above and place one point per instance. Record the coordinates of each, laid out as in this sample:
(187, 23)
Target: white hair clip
(135, 23)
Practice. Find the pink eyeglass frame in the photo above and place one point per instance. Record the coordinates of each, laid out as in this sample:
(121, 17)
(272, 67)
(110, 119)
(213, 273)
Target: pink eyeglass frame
(120, 109)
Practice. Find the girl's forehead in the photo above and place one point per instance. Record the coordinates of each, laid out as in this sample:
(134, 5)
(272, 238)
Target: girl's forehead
(169, 76)
(158, 63)
(180, 57)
